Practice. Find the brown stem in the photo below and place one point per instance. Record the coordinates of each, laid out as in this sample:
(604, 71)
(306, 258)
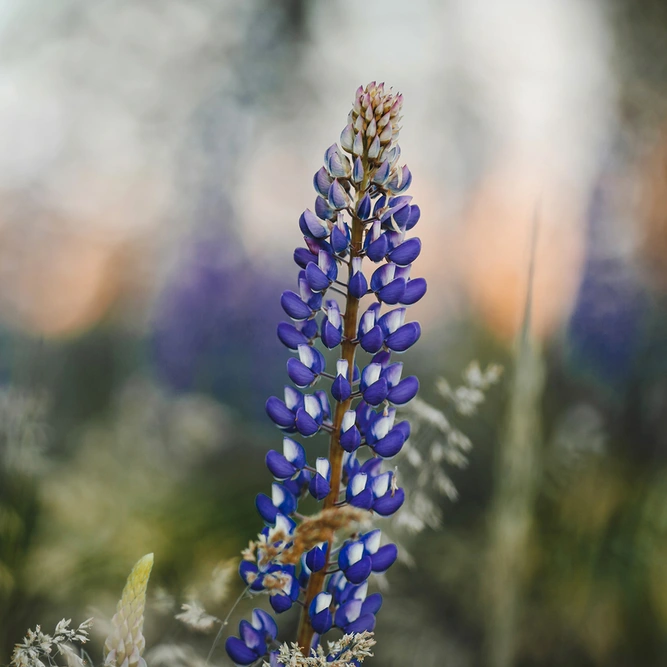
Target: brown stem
(316, 582)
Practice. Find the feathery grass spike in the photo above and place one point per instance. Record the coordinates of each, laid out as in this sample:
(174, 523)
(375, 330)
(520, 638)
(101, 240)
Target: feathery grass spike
(124, 646)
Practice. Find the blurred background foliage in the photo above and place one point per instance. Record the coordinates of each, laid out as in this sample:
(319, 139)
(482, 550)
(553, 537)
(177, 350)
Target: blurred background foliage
(154, 160)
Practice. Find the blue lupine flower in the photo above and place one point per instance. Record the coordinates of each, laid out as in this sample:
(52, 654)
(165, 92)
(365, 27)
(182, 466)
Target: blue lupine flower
(254, 637)
(305, 370)
(361, 213)
(316, 558)
(319, 486)
(320, 614)
(289, 463)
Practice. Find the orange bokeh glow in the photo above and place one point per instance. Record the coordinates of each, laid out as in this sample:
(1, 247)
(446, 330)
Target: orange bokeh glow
(497, 242)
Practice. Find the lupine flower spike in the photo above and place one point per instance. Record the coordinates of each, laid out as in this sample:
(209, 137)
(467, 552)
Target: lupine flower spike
(356, 252)
(125, 645)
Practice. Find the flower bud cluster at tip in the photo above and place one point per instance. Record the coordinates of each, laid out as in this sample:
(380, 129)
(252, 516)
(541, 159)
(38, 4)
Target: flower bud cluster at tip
(360, 186)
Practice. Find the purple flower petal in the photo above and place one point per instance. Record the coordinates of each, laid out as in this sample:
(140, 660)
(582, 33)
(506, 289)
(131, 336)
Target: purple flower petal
(239, 652)
(252, 638)
(415, 214)
(317, 279)
(390, 445)
(339, 240)
(406, 253)
(279, 413)
(316, 558)
(302, 256)
(363, 500)
(365, 623)
(404, 337)
(299, 373)
(372, 341)
(388, 504)
(338, 197)
(351, 439)
(358, 285)
(341, 389)
(265, 623)
(280, 603)
(372, 604)
(377, 250)
(404, 391)
(323, 210)
(376, 393)
(331, 336)
(305, 424)
(294, 306)
(312, 226)
(322, 181)
(384, 557)
(393, 292)
(414, 290)
(290, 336)
(267, 510)
(360, 571)
(364, 208)
(279, 466)
(319, 487)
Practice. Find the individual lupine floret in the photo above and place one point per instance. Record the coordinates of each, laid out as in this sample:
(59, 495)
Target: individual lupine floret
(376, 243)
(303, 305)
(340, 236)
(389, 281)
(332, 325)
(399, 391)
(341, 389)
(320, 614)
(373, 386)
(289, 463)
(354, 562)
(254, 638)
(357, 613)
(282, 501)
(299, 333)
(298, 412)
(350, 437)
(398, 337)
(338, 197)
(385, 497)
(405, 253)
(382, 557)
(322, 273)
(357, 285)
(358, 492)
(337, 164)
(397, 214)
(385, 438)
(305, 370)
(312, 226)
(320, 484)
(370, 334)
(358, 558)
(316, 558)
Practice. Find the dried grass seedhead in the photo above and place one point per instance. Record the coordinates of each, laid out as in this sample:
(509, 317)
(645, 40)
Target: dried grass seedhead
(321, 528)
(348, 651)
(279, 547)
